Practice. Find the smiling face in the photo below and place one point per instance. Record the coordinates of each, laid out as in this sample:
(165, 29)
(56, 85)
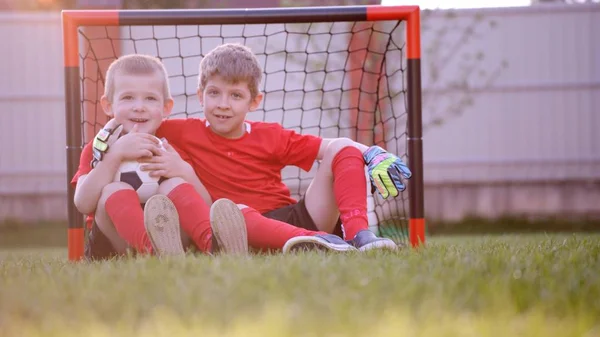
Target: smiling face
(137, 92)
(228, 81)
(226, 105)
(138, 99)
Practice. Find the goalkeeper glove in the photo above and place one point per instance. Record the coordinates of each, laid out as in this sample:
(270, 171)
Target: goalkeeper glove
(385, 171)
(106, 137)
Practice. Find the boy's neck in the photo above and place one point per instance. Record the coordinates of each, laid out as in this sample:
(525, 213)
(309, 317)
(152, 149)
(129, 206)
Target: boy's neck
(245, 128)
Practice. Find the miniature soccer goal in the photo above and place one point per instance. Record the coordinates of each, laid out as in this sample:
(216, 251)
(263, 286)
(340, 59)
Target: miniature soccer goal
(351, 71)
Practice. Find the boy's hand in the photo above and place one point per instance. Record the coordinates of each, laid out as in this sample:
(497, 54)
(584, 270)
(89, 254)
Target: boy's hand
(104, 139)
(135, 146)
(385, 170)
(167, 164)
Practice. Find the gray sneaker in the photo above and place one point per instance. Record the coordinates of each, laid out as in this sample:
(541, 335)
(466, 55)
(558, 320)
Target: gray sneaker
(229, 231)
(366, 240)
(322, 242)
(162, 224)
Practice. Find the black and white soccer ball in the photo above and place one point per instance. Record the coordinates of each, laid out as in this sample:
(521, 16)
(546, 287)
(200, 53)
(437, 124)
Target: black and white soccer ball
(144, 185)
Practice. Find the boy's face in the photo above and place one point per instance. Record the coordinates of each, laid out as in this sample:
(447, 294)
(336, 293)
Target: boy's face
(138, 99)
(226, 105)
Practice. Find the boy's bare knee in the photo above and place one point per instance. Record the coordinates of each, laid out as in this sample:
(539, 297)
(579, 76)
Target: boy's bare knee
(116, 186)
(168, 185)
(336, 146)
(110, 189)
(107, 228)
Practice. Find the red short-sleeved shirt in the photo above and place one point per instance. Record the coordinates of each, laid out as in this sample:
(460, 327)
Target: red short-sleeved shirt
(84, 168)
(85, 161)
(246, 170)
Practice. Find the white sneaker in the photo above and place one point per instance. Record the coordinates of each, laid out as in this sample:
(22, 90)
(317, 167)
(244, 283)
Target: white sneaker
(319, 242)
(229, 231)
(162, 224)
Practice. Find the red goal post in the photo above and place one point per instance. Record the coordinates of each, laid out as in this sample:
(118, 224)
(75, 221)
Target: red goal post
(73, 20)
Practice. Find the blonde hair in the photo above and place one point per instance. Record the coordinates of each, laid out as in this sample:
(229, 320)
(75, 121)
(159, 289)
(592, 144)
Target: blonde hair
(235, 63)
(135, 64)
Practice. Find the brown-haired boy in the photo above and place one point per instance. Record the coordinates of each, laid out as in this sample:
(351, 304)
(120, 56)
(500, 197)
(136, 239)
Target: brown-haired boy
(242, 160)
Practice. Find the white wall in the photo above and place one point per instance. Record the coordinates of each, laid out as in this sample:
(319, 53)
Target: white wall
(536, 120)
(32, 120)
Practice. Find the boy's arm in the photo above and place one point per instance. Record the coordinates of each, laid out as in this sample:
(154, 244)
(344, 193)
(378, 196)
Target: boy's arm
(190, 176)
(89, 187)
(87, 191)
(106, 163)
(173, 163)
(188, 173)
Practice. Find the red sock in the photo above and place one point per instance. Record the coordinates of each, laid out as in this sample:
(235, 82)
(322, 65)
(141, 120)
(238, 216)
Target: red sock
(268, 234)
(350, 190)
(194, 215)
(124, 210)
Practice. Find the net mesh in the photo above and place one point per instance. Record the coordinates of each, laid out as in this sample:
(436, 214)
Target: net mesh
(341, 79)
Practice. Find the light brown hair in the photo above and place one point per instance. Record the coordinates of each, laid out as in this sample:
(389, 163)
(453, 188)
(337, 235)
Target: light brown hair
(135, 64)
(235, 63)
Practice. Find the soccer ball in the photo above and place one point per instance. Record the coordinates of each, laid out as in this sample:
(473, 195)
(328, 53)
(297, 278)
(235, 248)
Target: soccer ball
(144, 185)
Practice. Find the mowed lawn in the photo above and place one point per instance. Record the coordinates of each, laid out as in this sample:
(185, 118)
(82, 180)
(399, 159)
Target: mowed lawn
(519, 285)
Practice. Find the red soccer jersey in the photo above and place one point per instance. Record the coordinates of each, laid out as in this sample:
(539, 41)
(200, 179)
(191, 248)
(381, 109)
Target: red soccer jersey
(246, 170)
(85, 166)
(85, 161)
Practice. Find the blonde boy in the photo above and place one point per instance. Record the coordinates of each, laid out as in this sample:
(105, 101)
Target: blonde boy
(242, 160)
(138, 98)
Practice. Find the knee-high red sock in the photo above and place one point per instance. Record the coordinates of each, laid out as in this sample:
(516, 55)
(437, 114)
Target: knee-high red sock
(194, 215)
(124, 210)
(269, 234)
(350, 190)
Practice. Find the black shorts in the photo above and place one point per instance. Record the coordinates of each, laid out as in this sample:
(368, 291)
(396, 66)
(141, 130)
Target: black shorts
(297, 215)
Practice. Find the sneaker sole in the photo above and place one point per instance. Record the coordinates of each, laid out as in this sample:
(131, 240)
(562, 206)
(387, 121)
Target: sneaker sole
(229, 227)
(309, 243)
(162, 224)
(379, 244)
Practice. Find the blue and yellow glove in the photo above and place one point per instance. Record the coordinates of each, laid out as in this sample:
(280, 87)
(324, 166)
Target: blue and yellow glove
(385, 171)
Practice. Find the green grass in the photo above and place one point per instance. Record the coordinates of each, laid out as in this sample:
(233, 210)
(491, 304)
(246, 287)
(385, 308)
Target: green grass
(516, 224)
(458, 286)
(16, 234)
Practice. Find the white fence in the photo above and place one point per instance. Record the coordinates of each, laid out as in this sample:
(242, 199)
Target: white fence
(517, 101)
(534, 119)
(526, 139)
(32, 120)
